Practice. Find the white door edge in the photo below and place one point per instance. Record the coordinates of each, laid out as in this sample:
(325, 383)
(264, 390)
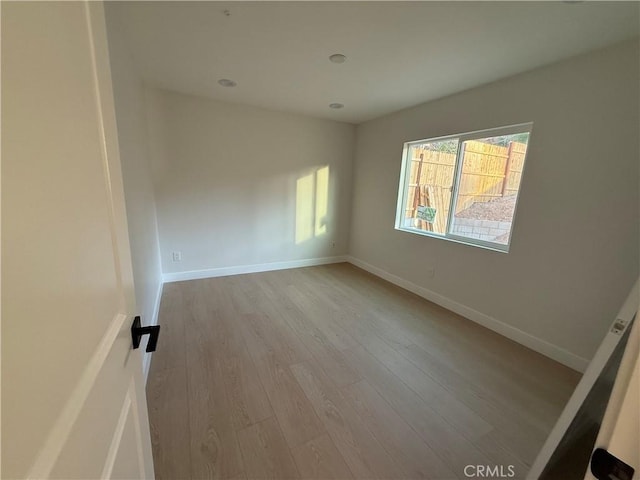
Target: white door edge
(117, 436)
(135, 411)
(606, 348)
(110, 149)
(50, 451)
(129, 407)
(619, 428)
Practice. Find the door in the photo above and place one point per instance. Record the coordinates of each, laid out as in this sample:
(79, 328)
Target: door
(620, 429)
(73, 403)
(599, 412)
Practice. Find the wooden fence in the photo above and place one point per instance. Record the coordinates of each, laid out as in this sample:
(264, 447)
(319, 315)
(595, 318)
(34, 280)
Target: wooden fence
(488, 172)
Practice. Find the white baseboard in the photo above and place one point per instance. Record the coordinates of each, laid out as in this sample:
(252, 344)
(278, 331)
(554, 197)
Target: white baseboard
(534, 343)
(146, 362)
(238, 270)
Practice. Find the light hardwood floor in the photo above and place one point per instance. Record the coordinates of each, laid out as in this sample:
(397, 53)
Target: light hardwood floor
(329, 372)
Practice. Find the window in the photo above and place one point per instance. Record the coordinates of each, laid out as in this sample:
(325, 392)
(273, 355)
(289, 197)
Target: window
(463, 187)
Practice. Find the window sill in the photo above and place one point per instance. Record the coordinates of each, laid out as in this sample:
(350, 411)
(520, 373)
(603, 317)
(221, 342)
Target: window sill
(450, 238)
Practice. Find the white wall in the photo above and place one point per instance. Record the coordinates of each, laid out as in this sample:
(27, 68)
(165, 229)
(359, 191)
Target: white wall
(574, 250)
(237, 185)
(136, 172)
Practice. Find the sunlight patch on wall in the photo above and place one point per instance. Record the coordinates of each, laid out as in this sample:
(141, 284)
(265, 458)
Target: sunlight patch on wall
(312, 203)
(304, 208)
(322, 200)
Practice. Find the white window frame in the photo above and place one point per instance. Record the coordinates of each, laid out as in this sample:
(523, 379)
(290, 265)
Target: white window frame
(461, 137)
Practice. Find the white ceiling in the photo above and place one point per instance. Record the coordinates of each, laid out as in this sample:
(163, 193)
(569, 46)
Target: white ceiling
(399, 54)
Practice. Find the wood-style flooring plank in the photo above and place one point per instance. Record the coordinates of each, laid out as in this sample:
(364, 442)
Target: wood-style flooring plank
(331, 372)
(275, 304)
(450, 347)
(364, 455)
(320, 459)
(214, 447)
(450, 408)
(285, 299)
(297, 418)
(270, 335)
(321, 349)
(317, 311)
(240, 476)
(493, 447)
(292, 408)
(479, 371)
(265, 452)
(508, 425)
(169, 423)
(247, 398)
(416, 458)
(467, 339)
(171, 341)
(349, 302)
(443, 438)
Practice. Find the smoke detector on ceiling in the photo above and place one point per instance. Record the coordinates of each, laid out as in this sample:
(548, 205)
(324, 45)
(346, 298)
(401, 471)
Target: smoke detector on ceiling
(225, 82)
(337, 58)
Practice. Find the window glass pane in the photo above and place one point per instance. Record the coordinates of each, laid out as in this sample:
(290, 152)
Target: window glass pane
(429, 184)
(489, 183)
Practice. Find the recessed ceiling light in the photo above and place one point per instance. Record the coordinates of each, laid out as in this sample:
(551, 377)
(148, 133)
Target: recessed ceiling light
(336, 106)
(225, 82)
(337, 58)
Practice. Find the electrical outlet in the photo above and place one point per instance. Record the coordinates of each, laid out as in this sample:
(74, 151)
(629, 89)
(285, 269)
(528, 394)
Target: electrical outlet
(177, 256)
(431, 272)
(333, 244)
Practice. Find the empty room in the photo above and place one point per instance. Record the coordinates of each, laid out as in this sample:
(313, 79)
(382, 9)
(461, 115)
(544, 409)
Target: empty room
(320, 240)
